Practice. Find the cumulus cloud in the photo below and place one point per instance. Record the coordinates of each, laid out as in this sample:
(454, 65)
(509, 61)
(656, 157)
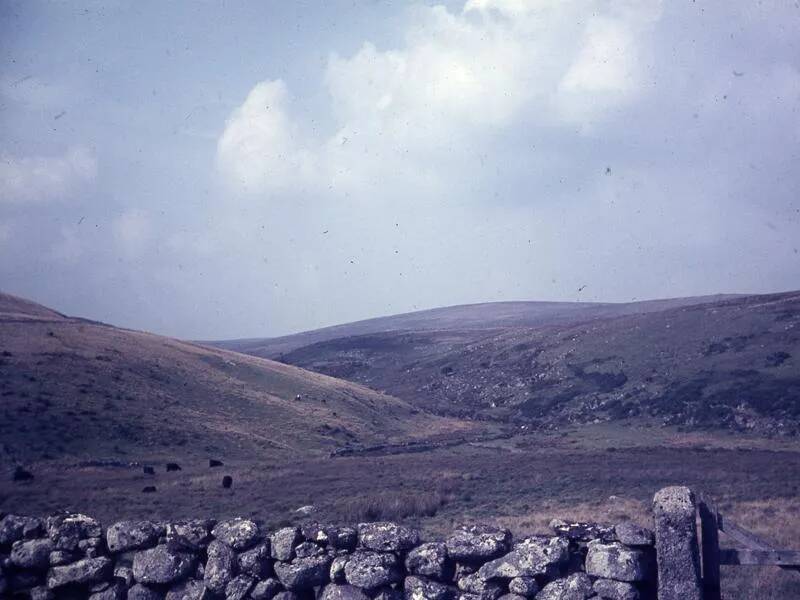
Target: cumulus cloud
(39, 179)
(459, 76)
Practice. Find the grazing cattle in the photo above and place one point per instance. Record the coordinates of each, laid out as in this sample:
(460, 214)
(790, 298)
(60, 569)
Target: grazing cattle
(150, 489)
(212, 462)
(149, 470)
(227, 482)
(173, 467)
(21, 474)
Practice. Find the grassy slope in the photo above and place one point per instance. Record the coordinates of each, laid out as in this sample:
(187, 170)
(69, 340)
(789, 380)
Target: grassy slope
(728, 363)
(73, 388)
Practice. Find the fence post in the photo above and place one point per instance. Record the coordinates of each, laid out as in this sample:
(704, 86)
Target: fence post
(709, 532)
(678, 554)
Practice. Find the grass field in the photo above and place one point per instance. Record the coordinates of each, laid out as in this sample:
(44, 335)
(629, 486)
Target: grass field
(605, 473)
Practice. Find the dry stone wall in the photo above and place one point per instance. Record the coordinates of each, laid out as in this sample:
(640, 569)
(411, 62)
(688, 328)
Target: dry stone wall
(73, 556)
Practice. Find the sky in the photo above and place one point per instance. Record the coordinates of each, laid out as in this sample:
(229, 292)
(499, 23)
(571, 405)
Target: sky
(215, 170)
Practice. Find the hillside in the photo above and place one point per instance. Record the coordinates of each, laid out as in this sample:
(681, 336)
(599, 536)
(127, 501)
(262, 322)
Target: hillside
(728, 362)
(478, 317)
(79, 389)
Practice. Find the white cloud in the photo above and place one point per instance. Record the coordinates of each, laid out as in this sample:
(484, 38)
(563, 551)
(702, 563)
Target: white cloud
(261, 146)
(132, 232)
(69, 247)
(45, 178)
(458, 77)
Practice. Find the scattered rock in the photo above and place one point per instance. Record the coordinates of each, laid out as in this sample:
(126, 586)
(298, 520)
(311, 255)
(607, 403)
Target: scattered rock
(227, 482)
(212, 462)
(148, 470)
(149, 489)
(173, 467)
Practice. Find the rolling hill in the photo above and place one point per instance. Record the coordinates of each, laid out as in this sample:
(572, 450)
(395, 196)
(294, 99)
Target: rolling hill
(730, 362)
(72, 389)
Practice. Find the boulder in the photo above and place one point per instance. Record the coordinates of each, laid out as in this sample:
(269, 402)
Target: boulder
(523, 586)
(616, 561)
(479, 588)
(430, 560)
(511, 596)
(266, 590)
(239, 534)
(387, 537)
(370, 570)
(632, 534)
(304, 573)
(608, 589)
(91, 547)
(478, 543)
(334, 591)
(284, 541)
(256, 561)
(32, 554)
(537, 555)
(219, 566)
(239, 587)
(144, 592)
(577, 586)
(161, 565)
(88, 570)
(420, 588)
(286, 595)
(14, 528)
(193, 534)
(132, 535)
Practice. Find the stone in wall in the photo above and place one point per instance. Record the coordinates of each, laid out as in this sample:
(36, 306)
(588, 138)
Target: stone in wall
(70, 555)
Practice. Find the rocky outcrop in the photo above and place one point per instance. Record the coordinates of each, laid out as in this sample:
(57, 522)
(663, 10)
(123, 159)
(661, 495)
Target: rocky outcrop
(71, 555)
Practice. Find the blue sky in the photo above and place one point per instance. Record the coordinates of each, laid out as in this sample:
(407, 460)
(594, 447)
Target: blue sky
(233, 169)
